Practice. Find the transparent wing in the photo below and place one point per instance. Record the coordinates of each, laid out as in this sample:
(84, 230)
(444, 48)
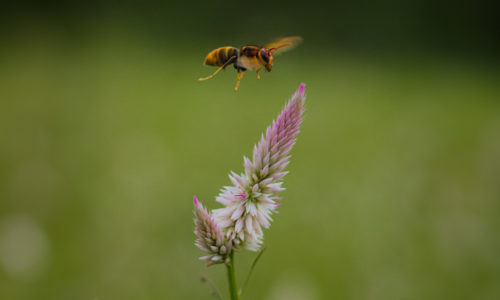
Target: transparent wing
(283, 44)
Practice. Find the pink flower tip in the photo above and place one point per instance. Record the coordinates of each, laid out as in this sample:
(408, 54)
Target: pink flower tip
(302, 88)
(195, 200)
(241, 196)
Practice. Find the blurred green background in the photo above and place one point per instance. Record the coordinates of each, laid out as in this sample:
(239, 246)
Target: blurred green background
(105, 136)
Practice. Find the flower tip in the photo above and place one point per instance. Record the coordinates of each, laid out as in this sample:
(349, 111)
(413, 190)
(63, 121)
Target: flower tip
(302, 88)
(241, 196)
(195, 200)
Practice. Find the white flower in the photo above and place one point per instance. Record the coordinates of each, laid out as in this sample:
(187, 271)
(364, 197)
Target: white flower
(210, 237)
(251, 200)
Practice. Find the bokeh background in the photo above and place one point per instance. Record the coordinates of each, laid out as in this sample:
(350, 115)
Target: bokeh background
(105, 136)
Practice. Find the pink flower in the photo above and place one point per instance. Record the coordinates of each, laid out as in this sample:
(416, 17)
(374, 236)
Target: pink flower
(250, 202)
(210, 237)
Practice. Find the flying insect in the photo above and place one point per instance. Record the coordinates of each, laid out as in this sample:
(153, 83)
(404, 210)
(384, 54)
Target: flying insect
(249, 57)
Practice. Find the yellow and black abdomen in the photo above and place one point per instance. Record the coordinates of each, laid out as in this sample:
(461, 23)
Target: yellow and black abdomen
(220, 56)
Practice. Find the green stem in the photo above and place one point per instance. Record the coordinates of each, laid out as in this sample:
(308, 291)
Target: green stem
(233, 289)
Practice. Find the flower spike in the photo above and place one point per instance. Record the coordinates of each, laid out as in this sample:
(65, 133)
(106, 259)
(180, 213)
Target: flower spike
(250, 202)
(210, 237)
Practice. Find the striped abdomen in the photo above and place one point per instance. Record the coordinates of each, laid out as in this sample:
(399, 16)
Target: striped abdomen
(220, 56)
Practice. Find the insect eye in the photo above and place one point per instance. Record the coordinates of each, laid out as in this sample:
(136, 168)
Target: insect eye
(264, 55)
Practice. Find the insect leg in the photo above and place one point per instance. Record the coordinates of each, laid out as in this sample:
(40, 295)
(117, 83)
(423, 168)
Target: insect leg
(258, 76)
(230, 60)
(239, 78)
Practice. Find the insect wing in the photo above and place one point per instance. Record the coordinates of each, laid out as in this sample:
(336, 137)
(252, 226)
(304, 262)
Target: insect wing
(284, 44)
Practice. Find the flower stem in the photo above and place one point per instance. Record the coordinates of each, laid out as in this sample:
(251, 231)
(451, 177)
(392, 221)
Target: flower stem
(233, 289)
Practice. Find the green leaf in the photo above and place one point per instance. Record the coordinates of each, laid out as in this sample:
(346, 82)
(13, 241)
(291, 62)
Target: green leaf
(213, 289)
(251, 269)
